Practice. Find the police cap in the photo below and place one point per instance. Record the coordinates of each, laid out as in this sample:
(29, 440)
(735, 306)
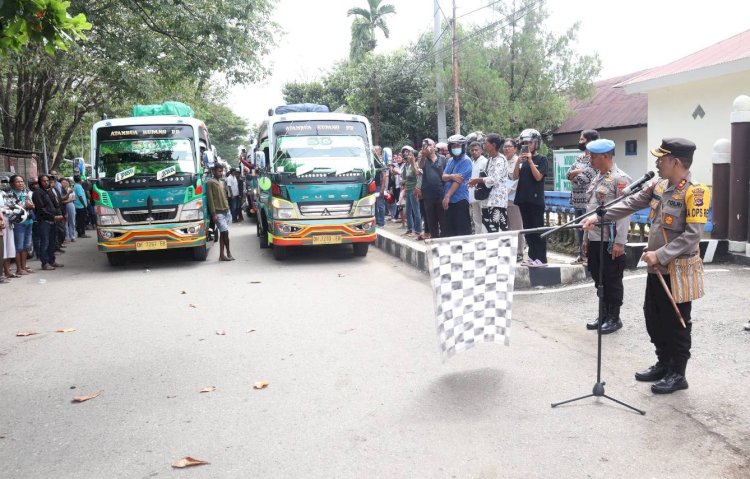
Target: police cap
(679, 147)
(600, 146)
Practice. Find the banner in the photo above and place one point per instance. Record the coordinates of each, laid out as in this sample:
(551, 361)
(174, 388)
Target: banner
(563, 160)
(472, 283)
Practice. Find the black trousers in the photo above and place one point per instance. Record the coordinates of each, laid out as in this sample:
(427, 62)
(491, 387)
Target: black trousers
(423, 215)
(82, 219)
(435, 217)
(671, 340)
(613, 271)
(458, 219)
(533, 217)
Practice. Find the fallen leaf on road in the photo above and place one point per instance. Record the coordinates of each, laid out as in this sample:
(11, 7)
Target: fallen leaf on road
(209, 389)
(221, 332)
(183, 292)
(191, 305)
(26, 333)
(188, 461)
(171, 397)
(86, 398)
(254, 282)
(65, 330)
(260, 385)
(250, 331)
(341, 275)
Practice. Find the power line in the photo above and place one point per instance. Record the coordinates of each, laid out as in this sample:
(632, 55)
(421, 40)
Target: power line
(480, 8)
(441, 11)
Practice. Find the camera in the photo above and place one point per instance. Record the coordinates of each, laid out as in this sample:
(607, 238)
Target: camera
(525, 149)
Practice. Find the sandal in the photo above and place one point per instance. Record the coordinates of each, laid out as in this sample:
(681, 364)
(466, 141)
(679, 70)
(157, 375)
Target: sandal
(29, 270)
(13, 275)
(3, 280)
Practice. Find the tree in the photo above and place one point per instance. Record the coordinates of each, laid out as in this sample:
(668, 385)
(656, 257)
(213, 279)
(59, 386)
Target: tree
(40, 22)
(365, 23)
(514, 74)
(137, 51)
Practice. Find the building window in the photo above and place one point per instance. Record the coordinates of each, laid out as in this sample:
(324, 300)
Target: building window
(631, 147)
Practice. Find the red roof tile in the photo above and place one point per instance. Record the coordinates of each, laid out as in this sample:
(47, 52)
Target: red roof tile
(610, 107)
(729, 50)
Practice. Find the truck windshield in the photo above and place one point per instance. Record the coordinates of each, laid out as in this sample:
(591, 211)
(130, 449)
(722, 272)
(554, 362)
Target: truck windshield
(159, 158)
(306, 154)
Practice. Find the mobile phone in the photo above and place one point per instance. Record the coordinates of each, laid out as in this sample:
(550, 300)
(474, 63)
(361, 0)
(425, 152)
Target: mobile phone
(525, 149)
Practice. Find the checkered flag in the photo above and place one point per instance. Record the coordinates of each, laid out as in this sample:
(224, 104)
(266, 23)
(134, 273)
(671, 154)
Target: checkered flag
(472, 284)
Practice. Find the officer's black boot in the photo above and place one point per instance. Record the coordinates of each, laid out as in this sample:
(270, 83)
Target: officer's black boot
(654, 373)
(594, 323)
(673, 381)
(612, 321)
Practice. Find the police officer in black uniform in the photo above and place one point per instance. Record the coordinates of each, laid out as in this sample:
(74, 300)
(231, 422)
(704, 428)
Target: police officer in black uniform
(605, 187)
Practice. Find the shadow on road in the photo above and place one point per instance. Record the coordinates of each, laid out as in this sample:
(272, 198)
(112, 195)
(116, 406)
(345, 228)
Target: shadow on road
(464, 394)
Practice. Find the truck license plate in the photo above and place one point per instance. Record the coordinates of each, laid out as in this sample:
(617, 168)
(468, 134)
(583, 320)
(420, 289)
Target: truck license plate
(150, 245)
(327, 239)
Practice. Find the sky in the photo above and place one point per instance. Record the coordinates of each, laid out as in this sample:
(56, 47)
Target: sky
(628, 35)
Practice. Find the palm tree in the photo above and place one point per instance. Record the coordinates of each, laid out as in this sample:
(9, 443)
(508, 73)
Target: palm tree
(364, 25)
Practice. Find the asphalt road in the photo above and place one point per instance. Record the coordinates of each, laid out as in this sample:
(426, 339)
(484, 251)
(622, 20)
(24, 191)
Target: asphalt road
(356, 388)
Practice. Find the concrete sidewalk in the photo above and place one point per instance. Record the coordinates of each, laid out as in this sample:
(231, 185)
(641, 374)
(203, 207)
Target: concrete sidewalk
(393, 241)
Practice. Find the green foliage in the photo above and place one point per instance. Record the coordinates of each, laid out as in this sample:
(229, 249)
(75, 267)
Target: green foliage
(39, 22)
(228, 131)
(366, 22)
(140, 51)
(513, 74)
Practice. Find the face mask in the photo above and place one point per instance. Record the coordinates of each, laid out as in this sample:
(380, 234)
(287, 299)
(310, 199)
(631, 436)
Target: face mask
(582, 146)
(456, 151)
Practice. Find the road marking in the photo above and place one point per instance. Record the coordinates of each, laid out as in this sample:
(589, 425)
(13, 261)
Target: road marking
(588, 285)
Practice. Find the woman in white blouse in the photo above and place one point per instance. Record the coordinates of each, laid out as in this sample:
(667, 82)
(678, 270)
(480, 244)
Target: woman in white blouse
(495, 207)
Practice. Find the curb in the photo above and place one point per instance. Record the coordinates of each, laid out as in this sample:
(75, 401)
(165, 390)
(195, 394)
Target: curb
(415, 255)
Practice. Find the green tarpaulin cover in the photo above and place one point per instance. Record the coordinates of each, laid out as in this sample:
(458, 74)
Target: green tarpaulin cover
(166, 108)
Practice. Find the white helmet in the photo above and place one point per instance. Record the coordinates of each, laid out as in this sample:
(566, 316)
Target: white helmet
(530, 134)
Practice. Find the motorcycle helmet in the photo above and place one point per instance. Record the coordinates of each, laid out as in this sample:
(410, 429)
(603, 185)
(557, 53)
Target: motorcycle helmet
(530, 134)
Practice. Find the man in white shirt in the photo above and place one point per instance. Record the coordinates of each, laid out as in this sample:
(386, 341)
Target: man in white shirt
(479, 163)
(234, 194)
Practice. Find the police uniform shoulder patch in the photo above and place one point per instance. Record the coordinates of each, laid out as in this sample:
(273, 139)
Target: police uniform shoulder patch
(697, 203)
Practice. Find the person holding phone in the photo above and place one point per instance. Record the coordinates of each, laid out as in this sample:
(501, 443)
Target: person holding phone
(530, 170)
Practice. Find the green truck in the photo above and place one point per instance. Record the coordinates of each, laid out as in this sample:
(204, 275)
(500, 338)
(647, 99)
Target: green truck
(316, 180)
(148, 183)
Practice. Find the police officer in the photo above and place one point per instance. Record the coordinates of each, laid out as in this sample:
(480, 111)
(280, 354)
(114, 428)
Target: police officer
(605, 187)
(679, 209)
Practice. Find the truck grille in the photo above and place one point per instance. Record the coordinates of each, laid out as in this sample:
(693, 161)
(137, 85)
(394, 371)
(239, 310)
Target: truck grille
(325, 210)
(142, 215)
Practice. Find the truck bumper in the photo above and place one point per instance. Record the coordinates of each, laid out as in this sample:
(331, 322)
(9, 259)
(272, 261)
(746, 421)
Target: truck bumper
(134, 237)
(315, 233)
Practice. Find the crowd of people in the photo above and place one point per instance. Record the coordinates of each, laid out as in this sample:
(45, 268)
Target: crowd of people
(467, 185)
(41, 219)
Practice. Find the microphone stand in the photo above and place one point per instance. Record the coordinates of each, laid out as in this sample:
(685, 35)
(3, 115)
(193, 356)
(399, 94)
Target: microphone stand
(601, 211)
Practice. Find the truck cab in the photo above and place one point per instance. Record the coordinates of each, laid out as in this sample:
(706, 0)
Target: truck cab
(315, 180)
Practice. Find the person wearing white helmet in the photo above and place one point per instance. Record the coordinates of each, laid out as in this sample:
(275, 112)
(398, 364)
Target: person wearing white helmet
(456, 176)
(530, 171)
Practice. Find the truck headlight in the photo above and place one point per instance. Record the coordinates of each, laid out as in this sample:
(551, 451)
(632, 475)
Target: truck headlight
(283, 213)
(193, 205)
(365, 206)
(191, 215)
(108, 220)
(283, 210)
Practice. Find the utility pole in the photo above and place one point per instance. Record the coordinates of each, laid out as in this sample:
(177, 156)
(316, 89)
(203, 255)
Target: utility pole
(441, 126)
(456, 109)
(376, 109)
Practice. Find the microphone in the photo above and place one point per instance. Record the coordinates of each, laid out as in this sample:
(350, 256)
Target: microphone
(637, 184)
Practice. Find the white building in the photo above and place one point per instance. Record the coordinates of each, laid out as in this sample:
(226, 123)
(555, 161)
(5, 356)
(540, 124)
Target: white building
(692, 98)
